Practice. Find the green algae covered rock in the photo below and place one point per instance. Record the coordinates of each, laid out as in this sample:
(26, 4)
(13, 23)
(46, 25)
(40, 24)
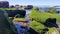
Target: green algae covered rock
(6, 25)
(38, 27)
(40, 18)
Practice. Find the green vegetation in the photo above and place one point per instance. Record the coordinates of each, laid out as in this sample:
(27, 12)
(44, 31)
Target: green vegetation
(19, 19)
(52, 10)
(8, 8)
(37, 26)
(40, 17)
(52, 31)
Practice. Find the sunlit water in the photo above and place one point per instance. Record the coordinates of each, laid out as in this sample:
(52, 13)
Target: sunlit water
(28, 12)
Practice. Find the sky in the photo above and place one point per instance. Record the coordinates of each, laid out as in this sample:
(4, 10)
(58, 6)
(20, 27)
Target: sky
(34, 2)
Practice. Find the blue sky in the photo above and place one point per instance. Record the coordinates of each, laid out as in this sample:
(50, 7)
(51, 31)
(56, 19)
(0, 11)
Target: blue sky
(34, 2)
